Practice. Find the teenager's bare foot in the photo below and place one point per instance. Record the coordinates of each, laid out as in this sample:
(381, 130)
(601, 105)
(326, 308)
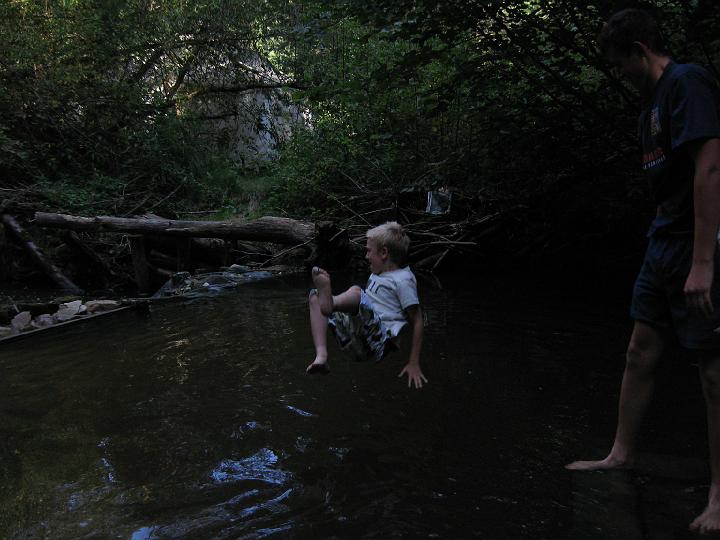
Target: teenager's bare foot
(709, 521)
(321, 279)
(601, 465)
(318, 367)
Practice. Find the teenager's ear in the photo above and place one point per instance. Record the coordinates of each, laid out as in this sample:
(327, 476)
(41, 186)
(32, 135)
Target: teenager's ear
(639, 49)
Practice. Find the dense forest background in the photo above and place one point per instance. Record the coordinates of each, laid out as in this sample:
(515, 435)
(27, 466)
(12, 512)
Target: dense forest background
(120, 107)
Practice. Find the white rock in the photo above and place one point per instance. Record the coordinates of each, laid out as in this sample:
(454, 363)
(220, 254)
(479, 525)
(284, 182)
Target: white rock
(6, 331)
(93, 306)
(21, 321)
(69, 310)
(41, 321)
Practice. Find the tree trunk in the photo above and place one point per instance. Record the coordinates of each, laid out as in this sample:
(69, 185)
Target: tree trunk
(267, 229)
(38, 256)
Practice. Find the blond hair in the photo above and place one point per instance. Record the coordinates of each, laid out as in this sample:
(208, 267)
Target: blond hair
(391, 235)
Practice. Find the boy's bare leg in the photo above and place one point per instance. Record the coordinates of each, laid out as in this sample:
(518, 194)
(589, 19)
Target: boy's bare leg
(644, 352)
(321, 279)
(318, 328)
(709, 520)
(322, 305)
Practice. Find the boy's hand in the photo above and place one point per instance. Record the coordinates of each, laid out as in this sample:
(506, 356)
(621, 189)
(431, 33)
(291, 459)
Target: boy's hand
(415, 375)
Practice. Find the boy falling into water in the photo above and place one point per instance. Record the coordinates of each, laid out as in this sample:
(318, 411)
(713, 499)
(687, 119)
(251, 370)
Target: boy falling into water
(369, 321)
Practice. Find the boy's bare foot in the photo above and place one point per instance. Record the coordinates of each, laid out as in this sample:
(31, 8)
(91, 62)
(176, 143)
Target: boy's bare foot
(600, 465)
(709, 521)
(321, 279)
(318, 367)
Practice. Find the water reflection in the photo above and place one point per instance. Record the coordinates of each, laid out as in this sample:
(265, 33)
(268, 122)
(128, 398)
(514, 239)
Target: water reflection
(260, 467)
(197, 421)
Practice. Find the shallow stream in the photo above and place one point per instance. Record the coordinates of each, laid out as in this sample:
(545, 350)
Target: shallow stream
(196, 420)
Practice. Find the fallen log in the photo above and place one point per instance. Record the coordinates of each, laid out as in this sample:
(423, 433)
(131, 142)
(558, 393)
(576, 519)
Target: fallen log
(38, 256)
(267, 229)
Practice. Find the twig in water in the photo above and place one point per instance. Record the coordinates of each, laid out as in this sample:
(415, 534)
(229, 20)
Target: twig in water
(285, 251)
(452, 243)
(437, 263)
(376, 211)
(336, 235)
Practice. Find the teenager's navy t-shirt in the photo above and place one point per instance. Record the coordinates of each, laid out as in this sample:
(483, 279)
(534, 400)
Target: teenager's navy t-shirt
(685, 107)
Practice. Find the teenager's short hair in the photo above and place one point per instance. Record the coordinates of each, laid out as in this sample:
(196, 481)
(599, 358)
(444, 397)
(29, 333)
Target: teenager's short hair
(626, 27)
(392, 236)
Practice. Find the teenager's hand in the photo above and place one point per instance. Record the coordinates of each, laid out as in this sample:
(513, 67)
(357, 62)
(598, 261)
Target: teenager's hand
(697, 288)
(415, 375)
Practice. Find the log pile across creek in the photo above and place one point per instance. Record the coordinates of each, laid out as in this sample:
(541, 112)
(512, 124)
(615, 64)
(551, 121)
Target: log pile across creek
(106, 252)
(147, 250)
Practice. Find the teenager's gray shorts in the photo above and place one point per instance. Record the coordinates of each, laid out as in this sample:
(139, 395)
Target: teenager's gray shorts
(659, 300)
(362, 334)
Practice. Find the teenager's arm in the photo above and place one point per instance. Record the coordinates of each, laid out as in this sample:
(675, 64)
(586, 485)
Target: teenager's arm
(412, 368)
(706, 189)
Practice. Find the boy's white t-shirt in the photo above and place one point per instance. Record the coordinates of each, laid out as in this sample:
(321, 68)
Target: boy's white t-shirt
(391, 293)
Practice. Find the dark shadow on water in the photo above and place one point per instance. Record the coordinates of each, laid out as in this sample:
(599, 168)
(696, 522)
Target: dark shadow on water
(197, 421)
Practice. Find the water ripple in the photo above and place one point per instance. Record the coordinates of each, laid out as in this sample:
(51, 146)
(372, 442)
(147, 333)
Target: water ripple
(272, 506)
(259, 467)
(299, 412)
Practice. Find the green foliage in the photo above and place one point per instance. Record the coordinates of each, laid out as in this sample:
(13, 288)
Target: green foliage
(97, 114)
(508, 100)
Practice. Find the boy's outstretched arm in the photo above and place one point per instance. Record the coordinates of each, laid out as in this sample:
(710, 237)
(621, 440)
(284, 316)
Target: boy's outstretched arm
(412, 368)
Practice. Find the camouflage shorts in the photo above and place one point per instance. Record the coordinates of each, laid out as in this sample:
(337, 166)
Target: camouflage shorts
(362, 334)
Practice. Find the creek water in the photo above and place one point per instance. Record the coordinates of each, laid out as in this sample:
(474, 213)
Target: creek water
(196, 420)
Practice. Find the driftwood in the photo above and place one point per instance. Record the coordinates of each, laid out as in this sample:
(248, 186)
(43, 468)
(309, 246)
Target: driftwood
(267, 229)
(72, 240)
(161, 246)
(38, 256)
(438, 241)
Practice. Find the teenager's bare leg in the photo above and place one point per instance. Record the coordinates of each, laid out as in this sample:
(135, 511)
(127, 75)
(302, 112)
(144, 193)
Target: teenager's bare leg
(644, 352)
(322, 305)
(709, 520)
